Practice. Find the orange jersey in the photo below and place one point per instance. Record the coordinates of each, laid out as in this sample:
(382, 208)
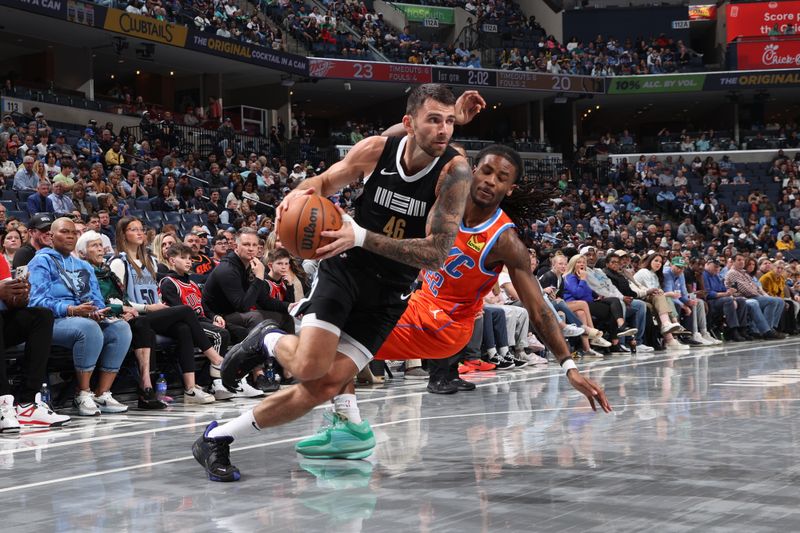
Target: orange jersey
(460, 285)
(439, 319)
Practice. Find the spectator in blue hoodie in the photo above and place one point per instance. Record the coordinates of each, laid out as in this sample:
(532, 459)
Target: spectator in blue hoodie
(68, 287)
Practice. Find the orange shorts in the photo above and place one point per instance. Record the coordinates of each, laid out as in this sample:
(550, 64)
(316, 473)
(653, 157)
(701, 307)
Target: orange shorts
(425, 331)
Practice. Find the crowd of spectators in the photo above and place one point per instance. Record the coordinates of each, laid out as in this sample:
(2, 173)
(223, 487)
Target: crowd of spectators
(602, 57)
(101, 223)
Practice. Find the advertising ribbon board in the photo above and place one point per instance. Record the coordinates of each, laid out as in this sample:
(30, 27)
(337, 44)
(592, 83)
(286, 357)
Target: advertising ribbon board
(681, 83)
(368, 71)
(512, 79)
(789, 79)
(145, 28)
(53, 8)
(420, 13)
(257, 55)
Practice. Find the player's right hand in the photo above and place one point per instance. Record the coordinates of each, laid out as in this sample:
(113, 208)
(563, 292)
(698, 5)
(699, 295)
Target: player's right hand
(590, 389)
(284, 205)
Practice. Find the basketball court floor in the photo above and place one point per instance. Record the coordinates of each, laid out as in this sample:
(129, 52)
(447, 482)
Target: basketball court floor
(706, 441)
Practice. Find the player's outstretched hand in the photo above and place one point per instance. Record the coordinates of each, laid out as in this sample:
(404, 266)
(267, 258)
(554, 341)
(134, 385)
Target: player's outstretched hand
(590, 389)
(344, 238)
(468, 106)
(284, 205)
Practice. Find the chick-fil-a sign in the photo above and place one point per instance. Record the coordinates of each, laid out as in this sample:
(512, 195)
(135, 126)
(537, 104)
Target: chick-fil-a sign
(761, 55)
(761, 18)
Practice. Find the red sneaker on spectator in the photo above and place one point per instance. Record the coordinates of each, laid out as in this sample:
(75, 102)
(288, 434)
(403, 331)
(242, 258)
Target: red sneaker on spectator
(465, 369)
(480, 365)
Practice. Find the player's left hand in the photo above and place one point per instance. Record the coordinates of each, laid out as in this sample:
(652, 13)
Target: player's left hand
(468, 106)
(344, 238)
(590, 389)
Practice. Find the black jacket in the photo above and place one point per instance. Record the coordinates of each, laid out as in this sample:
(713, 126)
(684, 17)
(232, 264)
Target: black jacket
(620, 282)
(232, 288)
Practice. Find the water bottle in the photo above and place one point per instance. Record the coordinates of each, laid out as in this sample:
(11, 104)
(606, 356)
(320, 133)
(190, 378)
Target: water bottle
(161, 388)
(44, 394)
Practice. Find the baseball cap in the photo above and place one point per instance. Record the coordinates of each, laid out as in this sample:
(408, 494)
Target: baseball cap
(621, 253)
(678, 261)
(586, 249)
(41, 221)
(39, 114)
(90, 131)
(12, 144)
(60, 134)
(200, 233)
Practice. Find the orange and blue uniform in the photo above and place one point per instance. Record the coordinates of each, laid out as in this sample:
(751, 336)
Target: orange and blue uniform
(440, 317)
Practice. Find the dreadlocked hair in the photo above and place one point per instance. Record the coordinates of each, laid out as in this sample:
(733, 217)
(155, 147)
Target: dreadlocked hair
(528, 200)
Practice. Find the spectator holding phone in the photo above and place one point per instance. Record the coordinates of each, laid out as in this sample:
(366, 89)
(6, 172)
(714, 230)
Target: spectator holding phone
(68, 288)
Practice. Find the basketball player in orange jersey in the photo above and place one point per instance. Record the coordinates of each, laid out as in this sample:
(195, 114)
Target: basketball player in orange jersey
(407, 218)
(439, 319)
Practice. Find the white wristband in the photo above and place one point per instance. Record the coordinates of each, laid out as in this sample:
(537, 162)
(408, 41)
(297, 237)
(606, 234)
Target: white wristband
(359, 232)
(568, 365)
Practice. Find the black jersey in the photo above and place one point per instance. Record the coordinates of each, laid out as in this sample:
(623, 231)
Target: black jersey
(396, 205)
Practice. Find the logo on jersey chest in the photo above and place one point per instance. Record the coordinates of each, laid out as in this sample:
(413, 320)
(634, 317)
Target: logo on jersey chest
(400, 203)
(475, 243)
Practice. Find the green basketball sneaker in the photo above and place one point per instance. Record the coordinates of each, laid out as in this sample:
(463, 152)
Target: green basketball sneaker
(338, 439)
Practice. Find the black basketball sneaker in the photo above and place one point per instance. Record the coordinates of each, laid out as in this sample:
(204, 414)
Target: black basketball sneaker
(247, 355)
(214, 454)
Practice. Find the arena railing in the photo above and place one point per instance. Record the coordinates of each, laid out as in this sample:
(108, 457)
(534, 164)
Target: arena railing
(202, 141)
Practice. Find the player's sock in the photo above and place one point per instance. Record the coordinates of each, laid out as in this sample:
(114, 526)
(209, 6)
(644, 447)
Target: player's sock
(346, 405)
(240, 426)
(491, 352)
(503, 351)
(270, 340)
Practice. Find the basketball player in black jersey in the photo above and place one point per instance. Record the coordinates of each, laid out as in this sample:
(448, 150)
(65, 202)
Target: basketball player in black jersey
(415, 189)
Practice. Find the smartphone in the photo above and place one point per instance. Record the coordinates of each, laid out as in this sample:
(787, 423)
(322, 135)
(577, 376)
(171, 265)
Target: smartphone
(20, 272)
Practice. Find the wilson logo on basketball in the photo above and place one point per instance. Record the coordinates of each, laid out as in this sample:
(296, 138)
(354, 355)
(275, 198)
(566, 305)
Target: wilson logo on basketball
(475, 244)
(310, 230)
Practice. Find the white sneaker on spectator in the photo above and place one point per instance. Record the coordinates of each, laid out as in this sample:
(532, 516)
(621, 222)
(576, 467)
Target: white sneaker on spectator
(592, 332)
(219, 391)
(534, 344)
(245, 390)
(84, 401)
(8, 415)
(534, 359)
(107, 404)
(675, 346)
(197, 395)
(644, 348)
(39, 414)
(592, 354)
(707, 336)
(599, 342)
(571, 330)
(624, 348)
(672, 327)
(699, 338)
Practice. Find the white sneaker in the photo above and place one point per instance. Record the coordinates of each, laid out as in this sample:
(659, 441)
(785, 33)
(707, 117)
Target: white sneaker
(676, 346)
(39, 414)
(600, 342)
(571, 330)
(534, 344)
(245, 390)
(8, 415)
(84, 401)
(537, 359)
(219, 391)
(707, 336)
(671, 328)
(197, 395)
(644, 348)
(592, 332)
(592, 354)
(107, 404)
(699, 338)
(624, 348)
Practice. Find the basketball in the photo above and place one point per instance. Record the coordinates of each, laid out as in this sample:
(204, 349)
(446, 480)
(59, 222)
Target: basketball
(302, 224)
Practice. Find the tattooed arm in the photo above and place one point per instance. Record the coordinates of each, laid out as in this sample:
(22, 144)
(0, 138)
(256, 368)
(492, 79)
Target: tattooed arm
(445, 217)
(512, 252)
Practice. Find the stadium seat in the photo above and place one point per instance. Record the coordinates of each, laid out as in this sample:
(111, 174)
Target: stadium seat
(172, 217)
(143, 204)
(10, 205)
(9, 195)
(191, 219)
(22, 216)
(22, 196)
(153, 216)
